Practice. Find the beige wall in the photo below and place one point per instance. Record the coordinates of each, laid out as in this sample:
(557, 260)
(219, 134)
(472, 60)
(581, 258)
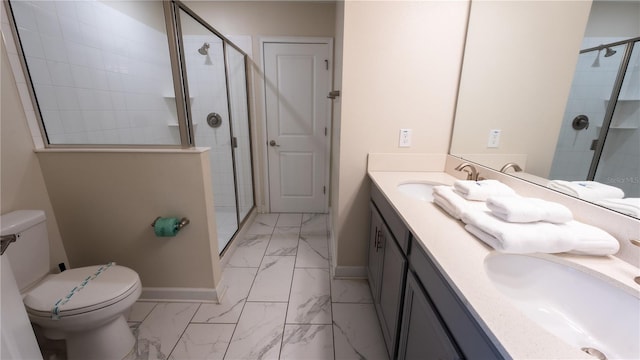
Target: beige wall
(21, 183)
(518, 66)
(401, 64)
(105, 203)
(265, 19)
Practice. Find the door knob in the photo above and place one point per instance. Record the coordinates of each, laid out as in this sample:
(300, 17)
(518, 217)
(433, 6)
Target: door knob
(273, 143)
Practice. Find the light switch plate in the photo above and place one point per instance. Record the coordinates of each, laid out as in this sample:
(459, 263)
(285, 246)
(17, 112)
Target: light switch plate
(405, 138)
(494, 138)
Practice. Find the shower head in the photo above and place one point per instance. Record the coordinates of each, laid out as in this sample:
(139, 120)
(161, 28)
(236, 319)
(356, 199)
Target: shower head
(204, 49)
(609, 52)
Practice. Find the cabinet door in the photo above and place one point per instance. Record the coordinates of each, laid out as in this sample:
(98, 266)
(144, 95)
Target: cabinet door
(389, 306)
(375, 252)
(422, 335)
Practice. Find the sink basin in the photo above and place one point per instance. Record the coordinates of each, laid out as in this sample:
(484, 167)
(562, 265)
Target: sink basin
(421, 190)
(581, 309)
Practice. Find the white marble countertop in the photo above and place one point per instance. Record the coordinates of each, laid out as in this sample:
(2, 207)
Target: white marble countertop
(461, 256)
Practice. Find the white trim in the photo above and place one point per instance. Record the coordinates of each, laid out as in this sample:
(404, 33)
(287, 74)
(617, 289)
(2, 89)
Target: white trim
(265, 155)
(193, 150)
(350, 272)
(332, 246)
(174, 294)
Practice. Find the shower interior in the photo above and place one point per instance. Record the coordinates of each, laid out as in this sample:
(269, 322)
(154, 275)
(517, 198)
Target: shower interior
(131, 73)
(606, 91)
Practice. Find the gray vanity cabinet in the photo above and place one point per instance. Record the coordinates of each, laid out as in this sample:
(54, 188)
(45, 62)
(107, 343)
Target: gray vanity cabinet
(387, 270)
(471, 339)
(420, 313)
(423, 336)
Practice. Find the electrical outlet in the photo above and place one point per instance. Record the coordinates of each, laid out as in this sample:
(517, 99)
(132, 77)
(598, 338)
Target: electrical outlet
(405, 138)
(494, 138)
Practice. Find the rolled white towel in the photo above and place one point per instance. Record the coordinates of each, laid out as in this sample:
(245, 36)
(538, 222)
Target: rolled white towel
(587, 190)
(519, 238)
(451, 202)
(481, 190)
(524, 210)
(629, 206)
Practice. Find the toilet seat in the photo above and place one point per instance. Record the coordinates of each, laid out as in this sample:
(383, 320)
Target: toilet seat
(113, 284)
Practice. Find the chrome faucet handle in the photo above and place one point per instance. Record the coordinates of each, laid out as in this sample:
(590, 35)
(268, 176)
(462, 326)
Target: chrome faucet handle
(509, 165)
(472, 173)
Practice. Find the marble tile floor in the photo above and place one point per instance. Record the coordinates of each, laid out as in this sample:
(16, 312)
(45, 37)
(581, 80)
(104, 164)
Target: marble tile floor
(281, 304)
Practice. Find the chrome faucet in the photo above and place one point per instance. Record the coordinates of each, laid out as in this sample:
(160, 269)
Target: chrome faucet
(636, 243)
(472, 173)
(513, 165)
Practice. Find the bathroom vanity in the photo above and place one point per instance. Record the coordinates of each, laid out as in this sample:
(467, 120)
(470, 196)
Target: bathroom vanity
(431, 285)
(420, 315)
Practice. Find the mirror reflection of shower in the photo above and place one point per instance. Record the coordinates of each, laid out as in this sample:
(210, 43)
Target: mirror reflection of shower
(204, 50)
(608, 53)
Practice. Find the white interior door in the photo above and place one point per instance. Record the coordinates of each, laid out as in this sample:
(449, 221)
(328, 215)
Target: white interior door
(297, 82)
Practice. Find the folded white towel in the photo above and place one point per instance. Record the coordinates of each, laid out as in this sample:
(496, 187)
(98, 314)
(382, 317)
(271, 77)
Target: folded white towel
(481, 190)
(629, 206)
(518, 238)
(524, 210)
(587, 190)
(592, 240)
(451, 202)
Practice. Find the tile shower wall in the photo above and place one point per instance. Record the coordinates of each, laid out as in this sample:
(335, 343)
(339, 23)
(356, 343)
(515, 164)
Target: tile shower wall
(590, 92)
(101, 76)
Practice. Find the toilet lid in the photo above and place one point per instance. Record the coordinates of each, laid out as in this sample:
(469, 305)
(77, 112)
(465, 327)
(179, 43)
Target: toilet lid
(80, 290)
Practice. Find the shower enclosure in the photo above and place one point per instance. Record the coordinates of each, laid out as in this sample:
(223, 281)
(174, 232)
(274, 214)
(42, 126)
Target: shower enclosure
(600, 135)
(144, 74)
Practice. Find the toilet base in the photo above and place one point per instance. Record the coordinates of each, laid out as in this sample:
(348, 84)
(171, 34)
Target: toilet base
(110, 341)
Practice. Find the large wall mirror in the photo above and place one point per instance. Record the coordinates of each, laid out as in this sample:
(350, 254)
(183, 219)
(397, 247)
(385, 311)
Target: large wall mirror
(554, 86)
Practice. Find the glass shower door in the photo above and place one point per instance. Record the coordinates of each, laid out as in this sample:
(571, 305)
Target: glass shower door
(593, 81)
(618, 165)
(241, 133)
(209, 113)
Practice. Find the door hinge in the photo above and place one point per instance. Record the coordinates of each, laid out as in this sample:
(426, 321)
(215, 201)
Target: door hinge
(325, 131)
(324, 190)
(234, 142)
(326, 64)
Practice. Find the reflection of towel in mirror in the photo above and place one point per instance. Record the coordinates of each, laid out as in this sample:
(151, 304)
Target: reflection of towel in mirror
(524, 210)
(628, 206)
(543, 237)
(587, 190)
(451, 202)
(481, 190)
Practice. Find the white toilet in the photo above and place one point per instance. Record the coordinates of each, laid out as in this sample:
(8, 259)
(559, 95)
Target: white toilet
(83, 306)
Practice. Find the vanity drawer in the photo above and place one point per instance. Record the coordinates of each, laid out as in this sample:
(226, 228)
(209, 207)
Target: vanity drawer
(472, 340)
(391, 218)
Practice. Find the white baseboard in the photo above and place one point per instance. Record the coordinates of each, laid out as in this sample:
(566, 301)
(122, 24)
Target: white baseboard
(171, 294)
(350, 272)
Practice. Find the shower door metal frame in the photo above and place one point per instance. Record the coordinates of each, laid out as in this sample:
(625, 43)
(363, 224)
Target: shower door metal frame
(173, 7)
(613, 100)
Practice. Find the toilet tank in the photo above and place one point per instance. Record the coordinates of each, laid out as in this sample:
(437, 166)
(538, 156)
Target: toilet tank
(29, 254)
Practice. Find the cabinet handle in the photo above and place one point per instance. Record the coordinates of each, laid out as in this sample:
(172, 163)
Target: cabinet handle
(375, 240)
(379, 238)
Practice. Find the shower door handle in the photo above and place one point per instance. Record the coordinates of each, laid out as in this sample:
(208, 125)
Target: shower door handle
(273, 143)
